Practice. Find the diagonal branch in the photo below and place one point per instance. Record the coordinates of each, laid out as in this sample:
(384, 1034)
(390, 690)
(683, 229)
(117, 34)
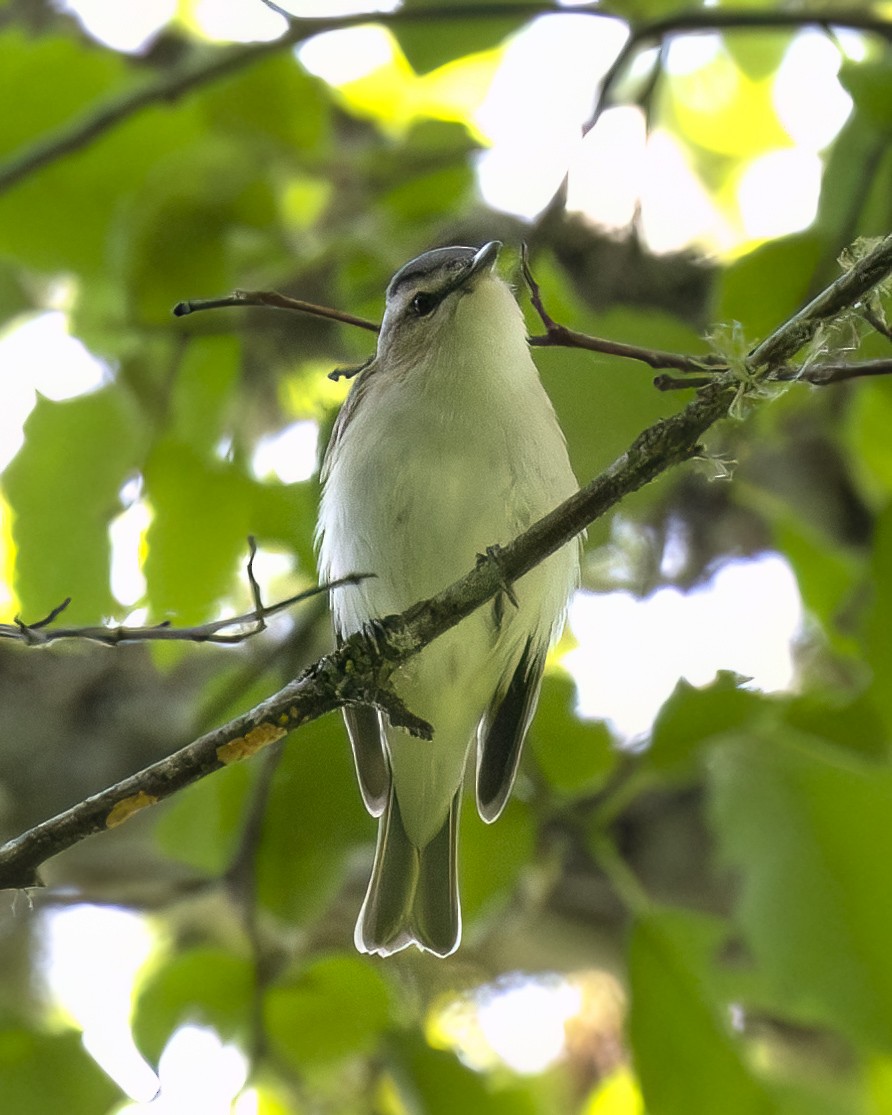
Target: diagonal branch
(358, 671)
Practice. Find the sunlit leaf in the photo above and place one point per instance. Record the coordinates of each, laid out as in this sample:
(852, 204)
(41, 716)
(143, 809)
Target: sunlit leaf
(63, 488)
(198, 532)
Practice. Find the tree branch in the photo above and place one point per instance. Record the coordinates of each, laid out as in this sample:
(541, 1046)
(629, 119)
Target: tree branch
(359, 670)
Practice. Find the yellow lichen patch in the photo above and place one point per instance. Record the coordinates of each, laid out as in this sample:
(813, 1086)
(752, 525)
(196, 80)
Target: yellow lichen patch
(126, 807)
(243, 747)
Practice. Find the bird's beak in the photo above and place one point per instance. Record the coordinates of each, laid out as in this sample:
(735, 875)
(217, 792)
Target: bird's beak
(486, 257)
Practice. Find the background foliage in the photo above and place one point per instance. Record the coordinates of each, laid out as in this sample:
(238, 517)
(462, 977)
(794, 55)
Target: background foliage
(721, 896)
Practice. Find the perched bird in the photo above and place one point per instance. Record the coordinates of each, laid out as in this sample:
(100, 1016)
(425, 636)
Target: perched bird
(446, 446)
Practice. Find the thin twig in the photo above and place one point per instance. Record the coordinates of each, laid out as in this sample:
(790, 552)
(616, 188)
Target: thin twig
(39, 633)
(557, 335)
(277, 301)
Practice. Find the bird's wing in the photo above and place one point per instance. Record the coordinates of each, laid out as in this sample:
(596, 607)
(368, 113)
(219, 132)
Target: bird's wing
(504, 728)
(372, 768)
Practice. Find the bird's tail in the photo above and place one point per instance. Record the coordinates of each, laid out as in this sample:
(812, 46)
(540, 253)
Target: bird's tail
(413, 892)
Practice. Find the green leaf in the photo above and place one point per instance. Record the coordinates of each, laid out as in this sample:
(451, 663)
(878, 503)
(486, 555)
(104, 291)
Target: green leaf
(877, 643)
(313, 818)
(870, 86)
(691, 717)
(435, 1082)
(198, 532)
(334, 1008)
(807, 830)
(686, 1057)
(764, 287)
(178, 236)
(60, 218)
(63, 487)
(250, 105)
(202, 824)
(867, 433)
(428, 46)
(205, 986)
(493, 857)
(203, 395)
(576, 756)
(43, 1073)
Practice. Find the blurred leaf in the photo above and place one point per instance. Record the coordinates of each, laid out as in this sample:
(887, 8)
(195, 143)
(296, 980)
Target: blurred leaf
(41, 1074)
(493, 857)
(202, 824)
(576, 756)
(867, 433)
(198, 531)
(807, 828)
(436, 1083)
(203, 393)
(177, 237)
(286, 514)
(314, 817)
(60, 218)
(433, 43)
(764, 287)
(758, 54)
(336, 1007)
(205, 986)
(274, 101)
(826, 573)
(877, 636)
(870, 86)
(686, 1058)
(693, 715)
(63, 488)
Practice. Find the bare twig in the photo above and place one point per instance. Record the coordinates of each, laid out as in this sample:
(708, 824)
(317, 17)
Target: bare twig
(557, 335)
(359, 670)
(277, 301)
(39, 633)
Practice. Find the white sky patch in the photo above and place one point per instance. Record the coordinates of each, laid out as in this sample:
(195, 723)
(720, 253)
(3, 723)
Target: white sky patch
(808, 98)
(686, 54)
(199, 1075)
(778, 193)
(542, 94)
(291, 455)
(126, 534)
(331, 8)
(124, 27)
(339, 57)
(676, 209)
(607, 171)
(524, 1022)
(37, 353)
(632, 652)
(245, 22)
(91, 957)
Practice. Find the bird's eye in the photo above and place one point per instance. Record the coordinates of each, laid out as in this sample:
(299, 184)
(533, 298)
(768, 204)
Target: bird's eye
(424, 303)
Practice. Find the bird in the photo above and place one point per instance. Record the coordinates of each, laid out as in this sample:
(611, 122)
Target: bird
(446, 447)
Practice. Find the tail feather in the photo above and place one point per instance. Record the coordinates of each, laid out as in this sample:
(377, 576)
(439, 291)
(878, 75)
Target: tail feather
(413, 892)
